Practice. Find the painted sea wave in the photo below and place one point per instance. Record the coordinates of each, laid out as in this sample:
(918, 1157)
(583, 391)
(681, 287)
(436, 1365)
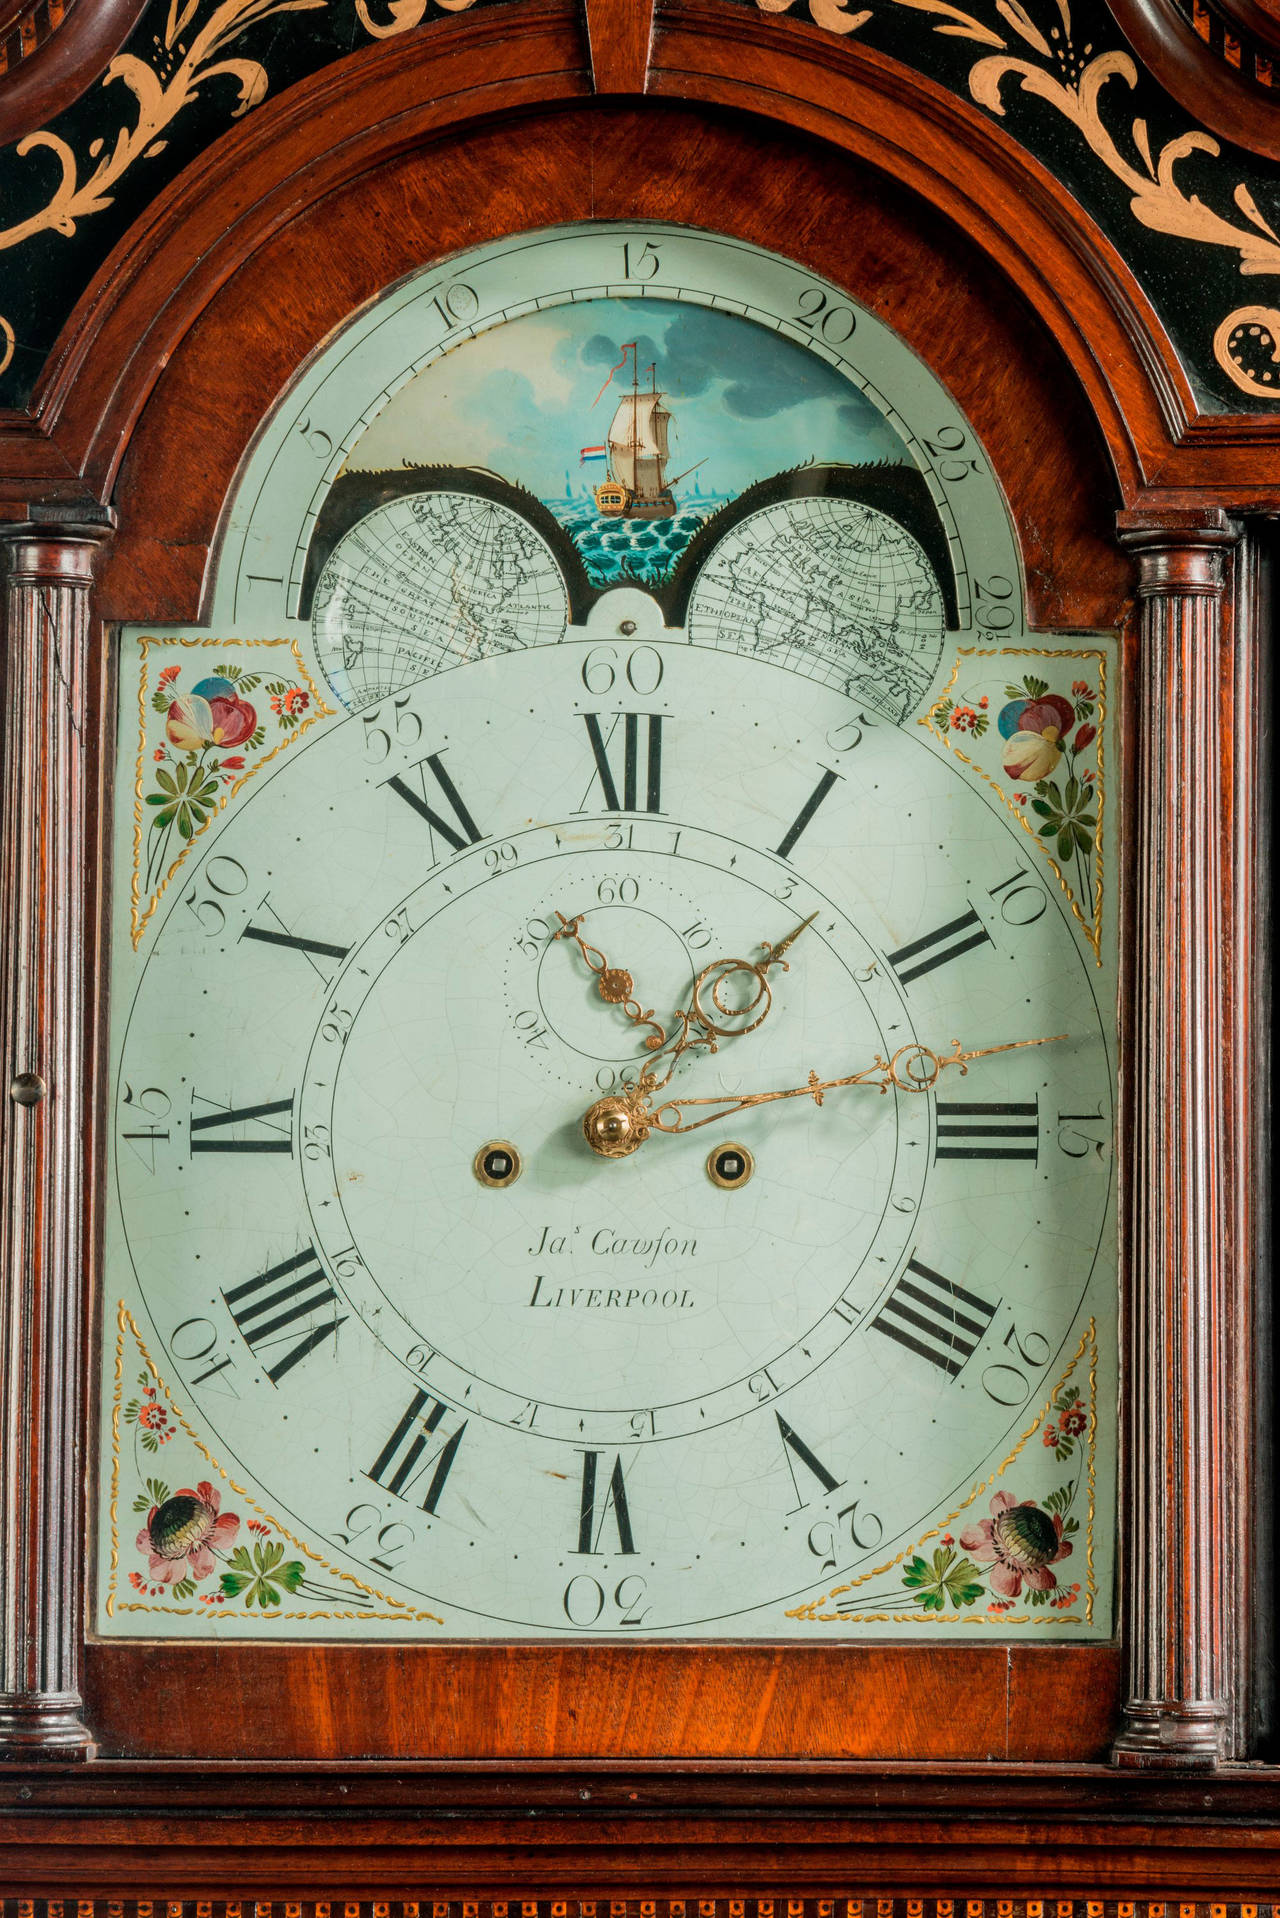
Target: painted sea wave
(620, 551)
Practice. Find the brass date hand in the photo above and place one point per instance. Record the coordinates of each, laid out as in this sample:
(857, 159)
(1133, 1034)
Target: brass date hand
(615, 1127)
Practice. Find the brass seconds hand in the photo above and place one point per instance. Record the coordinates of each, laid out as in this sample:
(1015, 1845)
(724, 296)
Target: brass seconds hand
(616, 1126)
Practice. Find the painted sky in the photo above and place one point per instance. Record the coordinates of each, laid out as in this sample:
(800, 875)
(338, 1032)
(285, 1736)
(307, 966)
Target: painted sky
(521, 400)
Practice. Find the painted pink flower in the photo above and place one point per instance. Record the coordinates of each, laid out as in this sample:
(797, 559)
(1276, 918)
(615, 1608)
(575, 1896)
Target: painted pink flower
(1019, 1542)
(234, 763)
(181, 1536)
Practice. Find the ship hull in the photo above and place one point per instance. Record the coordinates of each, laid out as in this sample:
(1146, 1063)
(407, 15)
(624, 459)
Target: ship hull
(661, 508)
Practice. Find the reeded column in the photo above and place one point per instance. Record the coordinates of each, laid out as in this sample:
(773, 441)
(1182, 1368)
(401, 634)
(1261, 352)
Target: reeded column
(49, 749)
(1181, 1584)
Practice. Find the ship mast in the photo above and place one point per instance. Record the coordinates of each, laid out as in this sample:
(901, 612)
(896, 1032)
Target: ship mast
(635, 411)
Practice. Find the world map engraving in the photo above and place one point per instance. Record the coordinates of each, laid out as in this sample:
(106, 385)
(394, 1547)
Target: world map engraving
(430, 581)
(831, 589)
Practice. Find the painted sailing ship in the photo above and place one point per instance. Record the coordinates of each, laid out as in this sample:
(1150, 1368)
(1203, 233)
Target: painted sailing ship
(637, 450)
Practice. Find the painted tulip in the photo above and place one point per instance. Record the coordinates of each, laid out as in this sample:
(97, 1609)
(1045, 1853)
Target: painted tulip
(189, 725)
(1031, 756)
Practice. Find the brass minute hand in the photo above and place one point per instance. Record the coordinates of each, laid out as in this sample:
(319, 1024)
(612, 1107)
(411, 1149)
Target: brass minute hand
(615, 1127)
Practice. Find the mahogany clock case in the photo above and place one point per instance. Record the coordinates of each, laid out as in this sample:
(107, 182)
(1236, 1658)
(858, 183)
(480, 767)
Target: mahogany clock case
(1079, 581)
(185, 343)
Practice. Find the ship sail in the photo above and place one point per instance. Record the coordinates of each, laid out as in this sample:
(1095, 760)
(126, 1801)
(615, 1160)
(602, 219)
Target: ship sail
(639, 446)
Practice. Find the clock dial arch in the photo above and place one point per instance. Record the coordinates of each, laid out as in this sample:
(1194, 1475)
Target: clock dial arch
(340, 396)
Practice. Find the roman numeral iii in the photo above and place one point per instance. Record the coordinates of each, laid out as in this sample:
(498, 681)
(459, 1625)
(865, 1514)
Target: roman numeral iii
(409, 1454)
(269, 1310)
(933, 1316)
(992, 1131)
(637, 758)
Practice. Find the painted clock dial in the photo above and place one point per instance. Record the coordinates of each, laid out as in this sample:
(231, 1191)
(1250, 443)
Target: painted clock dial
(613, 1011)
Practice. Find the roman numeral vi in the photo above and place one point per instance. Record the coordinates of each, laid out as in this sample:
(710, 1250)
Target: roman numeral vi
(597, 1504)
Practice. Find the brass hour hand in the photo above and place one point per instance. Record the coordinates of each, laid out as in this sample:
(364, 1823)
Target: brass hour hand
(710, 1018)
(614, 984)
(705, 1021)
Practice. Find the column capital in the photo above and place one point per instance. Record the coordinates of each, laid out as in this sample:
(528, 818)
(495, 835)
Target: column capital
(1178, 548)
(57, 543)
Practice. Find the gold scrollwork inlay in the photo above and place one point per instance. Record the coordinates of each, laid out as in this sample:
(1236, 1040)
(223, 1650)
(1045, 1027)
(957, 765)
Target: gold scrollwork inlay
(1088, 913)
(383, 1605)
(812, 1612)
(148, 884)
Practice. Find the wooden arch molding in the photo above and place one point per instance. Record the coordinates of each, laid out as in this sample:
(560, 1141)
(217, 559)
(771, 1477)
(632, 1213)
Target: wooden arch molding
(404, 104)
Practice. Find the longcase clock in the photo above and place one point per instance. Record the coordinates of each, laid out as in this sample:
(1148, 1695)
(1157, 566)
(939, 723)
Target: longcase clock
(631, 992)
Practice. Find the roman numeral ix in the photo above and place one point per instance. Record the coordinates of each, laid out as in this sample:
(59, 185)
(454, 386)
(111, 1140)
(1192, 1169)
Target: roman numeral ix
(269, 1308)
(934, 1317)
(265, 1127)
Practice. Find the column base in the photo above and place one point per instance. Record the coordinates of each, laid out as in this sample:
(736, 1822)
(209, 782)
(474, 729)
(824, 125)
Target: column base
(1171, 1735)
(45, 1726)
